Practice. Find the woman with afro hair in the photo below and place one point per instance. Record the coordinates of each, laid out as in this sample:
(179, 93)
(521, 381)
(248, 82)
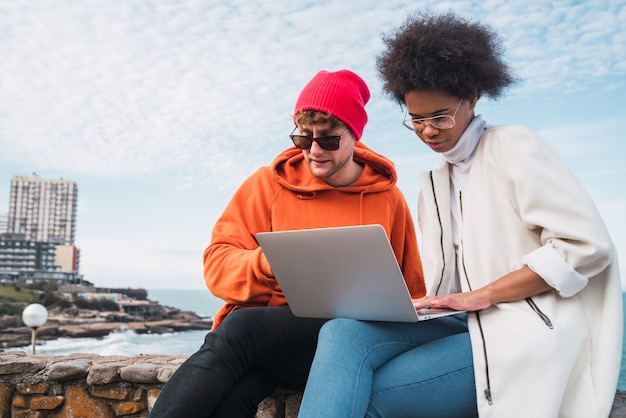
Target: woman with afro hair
(508, 235)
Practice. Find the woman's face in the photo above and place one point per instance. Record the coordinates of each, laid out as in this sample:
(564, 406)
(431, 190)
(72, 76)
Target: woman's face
(430, 103)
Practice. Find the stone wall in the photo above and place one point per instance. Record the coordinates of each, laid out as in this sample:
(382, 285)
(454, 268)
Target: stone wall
(92, 386)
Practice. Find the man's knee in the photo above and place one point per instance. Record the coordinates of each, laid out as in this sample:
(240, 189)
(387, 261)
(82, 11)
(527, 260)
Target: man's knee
(244, 321)
(244, 325)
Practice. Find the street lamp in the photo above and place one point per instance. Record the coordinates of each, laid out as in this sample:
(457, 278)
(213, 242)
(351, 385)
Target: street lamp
(34, 316)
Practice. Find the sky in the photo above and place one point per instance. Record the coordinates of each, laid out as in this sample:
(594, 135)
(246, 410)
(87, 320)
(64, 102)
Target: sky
(159, 109)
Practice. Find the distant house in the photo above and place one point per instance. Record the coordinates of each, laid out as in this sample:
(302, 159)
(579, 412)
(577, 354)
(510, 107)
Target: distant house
(22, 260)
(115, 297)
(139, 308)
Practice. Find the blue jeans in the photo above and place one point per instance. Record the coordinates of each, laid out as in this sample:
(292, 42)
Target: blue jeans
(392, 369)
(251, 353)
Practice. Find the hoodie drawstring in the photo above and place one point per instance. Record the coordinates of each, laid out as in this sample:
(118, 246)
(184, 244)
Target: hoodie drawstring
(361, 199)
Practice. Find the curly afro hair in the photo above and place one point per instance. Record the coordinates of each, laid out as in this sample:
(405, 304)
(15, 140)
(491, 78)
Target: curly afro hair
(443, 52)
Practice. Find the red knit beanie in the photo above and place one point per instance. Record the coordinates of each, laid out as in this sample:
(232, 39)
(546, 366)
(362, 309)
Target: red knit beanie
(342, 93)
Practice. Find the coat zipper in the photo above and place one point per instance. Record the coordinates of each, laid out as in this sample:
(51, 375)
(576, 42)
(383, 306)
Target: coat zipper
(539, 312)
(443, 258)
(487, 391)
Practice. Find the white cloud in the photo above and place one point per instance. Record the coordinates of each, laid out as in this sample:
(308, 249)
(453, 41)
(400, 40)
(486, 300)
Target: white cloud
(134, 88)
(196, 94)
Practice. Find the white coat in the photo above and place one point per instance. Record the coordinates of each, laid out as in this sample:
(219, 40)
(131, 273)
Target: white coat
(553, 355)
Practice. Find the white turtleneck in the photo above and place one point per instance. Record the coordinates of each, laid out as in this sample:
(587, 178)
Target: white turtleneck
(460, 159)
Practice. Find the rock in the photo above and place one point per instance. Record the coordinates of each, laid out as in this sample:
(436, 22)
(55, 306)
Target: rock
(619, 405)
(21, 336)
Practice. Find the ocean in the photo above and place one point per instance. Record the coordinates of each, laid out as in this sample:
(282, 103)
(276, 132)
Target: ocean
(128, 343)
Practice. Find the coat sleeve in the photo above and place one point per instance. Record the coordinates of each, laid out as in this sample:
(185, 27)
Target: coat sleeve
(550, 199)
(235, 268)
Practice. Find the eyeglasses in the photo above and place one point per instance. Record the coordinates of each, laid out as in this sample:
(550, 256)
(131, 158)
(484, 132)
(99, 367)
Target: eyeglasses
(437, 122)
(328, 142)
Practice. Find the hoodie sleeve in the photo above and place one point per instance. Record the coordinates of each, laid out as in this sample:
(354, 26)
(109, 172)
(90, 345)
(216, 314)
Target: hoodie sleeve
(404, 242)
(235, 268)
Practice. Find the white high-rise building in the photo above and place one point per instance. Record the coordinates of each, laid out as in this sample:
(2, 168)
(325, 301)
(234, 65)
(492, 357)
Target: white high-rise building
(4, 222)
(43, 210)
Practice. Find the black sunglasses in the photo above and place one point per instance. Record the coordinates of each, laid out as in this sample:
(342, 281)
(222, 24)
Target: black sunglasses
(304, 142)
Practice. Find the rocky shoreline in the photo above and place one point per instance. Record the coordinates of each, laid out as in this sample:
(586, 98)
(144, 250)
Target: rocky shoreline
(21, 336)
(69, 318)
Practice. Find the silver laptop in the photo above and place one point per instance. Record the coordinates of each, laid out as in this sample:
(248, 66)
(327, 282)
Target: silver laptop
(342, 272)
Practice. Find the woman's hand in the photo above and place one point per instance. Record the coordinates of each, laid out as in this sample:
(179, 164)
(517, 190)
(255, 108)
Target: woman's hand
(516, 285)
(466, 301)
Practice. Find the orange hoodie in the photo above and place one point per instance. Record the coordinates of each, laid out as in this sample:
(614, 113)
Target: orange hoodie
(287, 196)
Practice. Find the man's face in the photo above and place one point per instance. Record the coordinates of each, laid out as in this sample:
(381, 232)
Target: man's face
(334, 167)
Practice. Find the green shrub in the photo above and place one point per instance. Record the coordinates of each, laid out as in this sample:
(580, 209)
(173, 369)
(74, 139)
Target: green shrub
(96, 304)
(11, 308)
(52, 299)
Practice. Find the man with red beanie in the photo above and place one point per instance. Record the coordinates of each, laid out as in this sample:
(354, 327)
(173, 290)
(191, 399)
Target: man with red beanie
(329, 178)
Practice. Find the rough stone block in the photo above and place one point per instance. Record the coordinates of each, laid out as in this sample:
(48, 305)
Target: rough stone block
(31, 388)
(138, 395)
(619, 405)
(140, 373)
(69, 370)
(5, 400)
(128, 408)
(46, 402)
(78, 404)
(19, 402)
(110, 392)
(165, 372)
(21, 366)
(152, 396)
(292, 405)
(270, 408)
(101, 374)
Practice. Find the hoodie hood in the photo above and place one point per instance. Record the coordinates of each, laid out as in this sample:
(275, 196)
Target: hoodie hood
(292, 172)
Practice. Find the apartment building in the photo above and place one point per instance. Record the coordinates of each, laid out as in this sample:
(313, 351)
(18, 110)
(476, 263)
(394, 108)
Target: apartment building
(43, 210)
(40, 229)
(4, 222)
